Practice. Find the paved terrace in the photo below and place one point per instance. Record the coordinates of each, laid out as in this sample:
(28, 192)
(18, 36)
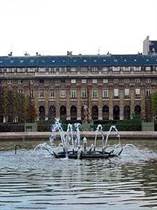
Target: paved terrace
(89, 134)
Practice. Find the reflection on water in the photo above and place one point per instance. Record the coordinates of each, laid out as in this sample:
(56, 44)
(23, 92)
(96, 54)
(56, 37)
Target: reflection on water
(34, 180)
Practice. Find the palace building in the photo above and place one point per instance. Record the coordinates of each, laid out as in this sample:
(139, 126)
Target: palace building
(110, 87)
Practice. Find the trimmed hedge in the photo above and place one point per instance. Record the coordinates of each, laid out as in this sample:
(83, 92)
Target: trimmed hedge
(11, 127)
(123, 125)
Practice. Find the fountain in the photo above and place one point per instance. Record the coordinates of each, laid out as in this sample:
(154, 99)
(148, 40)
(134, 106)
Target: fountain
(38, 180)
(74, 148)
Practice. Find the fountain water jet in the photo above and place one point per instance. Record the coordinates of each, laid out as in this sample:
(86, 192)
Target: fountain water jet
(73, 148)
(99, 130)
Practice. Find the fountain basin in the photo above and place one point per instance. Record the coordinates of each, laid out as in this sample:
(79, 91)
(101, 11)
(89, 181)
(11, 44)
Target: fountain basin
(86, 155)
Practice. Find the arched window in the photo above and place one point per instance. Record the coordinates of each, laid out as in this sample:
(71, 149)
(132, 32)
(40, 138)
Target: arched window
(137, 110)
(41, 113)
(105, 112)
(126, 112)
(63, 113)
(52, 113)
(95, 113)
(73, 113)
(116, 112)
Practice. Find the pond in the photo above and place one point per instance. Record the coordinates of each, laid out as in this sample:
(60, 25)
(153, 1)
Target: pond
(35, 180)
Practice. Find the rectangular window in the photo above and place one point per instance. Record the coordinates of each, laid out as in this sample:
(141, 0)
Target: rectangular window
(105, 93)
(73, 94)
(94, 81)
(41, 81)
(116, 68)
(52, 94)
(105, 80)
(84, 81)
(148, 92)
(137, 91)
(10, 82)
(148, 68)
(20, 70)
(83, 93)
(137, 68)
(116, 80)
(126, 68)
(148, 80)
(105, 69)
(137, 80)
(62, 93)
(73, 69)
(95, 94)
(116, 92)
(20, 81)
(41, 70)
(94, 69)
(73, 81)
(41, 93)
(53, 70)
(21, 91)
(126, 80)
(126, 92)
(30, 70)
(62, 80)
(8, 70)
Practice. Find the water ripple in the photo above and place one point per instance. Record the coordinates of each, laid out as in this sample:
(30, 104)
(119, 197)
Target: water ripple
(34, 180)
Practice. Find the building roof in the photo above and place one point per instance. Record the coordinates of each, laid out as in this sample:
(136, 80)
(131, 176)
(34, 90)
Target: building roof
(77, 61)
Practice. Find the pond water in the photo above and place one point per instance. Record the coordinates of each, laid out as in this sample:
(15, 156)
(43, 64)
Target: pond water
(35, 180)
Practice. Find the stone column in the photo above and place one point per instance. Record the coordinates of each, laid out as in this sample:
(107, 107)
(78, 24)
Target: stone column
(68, 101)
(46, 94)
(57, 102)
(132, 98)
(121, 96)
(110, 103)
(100, 102)
(143, 113)
(78, 102)
(36, 96)
(89, 101)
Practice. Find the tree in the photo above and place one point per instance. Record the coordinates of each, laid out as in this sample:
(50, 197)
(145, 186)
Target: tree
(5, 103)
(154, 103)
(1, 108)
(16, 105)
(21, 107)
(29, 109)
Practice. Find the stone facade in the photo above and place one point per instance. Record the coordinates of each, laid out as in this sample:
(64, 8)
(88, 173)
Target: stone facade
(108, 91)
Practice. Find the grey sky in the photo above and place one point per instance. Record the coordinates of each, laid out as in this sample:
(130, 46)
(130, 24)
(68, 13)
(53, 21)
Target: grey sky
(82, 26)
